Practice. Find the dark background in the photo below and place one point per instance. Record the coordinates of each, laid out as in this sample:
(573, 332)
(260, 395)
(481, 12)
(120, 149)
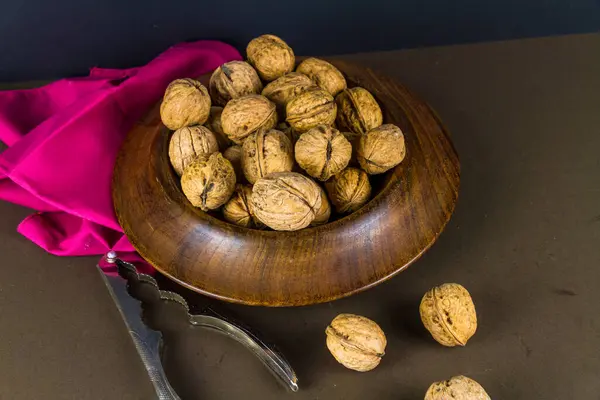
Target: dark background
(42, 39)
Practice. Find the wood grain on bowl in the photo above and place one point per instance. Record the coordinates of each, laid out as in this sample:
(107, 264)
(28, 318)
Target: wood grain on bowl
(313, 265)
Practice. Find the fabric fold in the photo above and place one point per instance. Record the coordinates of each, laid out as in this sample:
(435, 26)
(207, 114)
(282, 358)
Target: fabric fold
(63, 139)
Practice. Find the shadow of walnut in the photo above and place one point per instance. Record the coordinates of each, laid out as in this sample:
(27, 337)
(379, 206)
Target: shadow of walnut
(309, 266)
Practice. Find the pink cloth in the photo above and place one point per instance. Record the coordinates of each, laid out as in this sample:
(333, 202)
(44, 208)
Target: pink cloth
(63, 140)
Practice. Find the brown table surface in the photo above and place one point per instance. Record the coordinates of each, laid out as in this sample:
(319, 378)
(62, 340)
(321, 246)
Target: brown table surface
(525, 240)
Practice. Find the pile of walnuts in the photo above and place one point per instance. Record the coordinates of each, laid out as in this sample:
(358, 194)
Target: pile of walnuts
(276, 147)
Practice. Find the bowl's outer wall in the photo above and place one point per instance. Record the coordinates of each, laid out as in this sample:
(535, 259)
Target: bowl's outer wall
(309, 266)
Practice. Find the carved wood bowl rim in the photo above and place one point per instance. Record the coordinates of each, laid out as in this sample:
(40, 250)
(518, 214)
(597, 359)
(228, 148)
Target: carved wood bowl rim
(164, 181)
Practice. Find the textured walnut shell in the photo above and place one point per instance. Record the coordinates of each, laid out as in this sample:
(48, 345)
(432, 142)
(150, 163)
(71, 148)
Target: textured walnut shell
(457, 388)
(311, 108)
(380, 149)
(324, 211)
(214, 124)
(232, 80)
(238, 210)
(349, 190)
(356, 342)
(186, 102)
(358, 111)
(247, 114)
(208, 181)
(265, 152)
(189, 142)
(271, 56)
(286, 201)
(234, 155)
(323, 74)
(323, 152)
(448, 313)
(283, 89)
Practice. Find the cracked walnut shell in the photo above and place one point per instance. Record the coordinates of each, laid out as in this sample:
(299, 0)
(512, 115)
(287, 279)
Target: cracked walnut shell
(247, 114)
(208, 181)
(271, 56)
(283, 89)
(381, 149)
(349, 190)
(358, 111)
(323, 152)
(189, 142)
(232, 80)
(448, 313)
(356, 342)
(265, 152)
(286, 201)
(238, 210)
(323, 74)
(186, 102)
(311, 108)
(457, 388)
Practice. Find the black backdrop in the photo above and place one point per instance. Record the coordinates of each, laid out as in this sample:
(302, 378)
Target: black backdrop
(42, 39)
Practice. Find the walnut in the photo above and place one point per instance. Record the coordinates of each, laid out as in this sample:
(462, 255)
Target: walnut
(208, 181)
(189, 142)
(265, 152)
(283, 89)
(323, 74)
(323, 152)
(232, 80)
(286, 201)
(358, 111)
(349, 190)
(234, 155)
(186, 102)
(457, 388)
(310, 108)
(324, 211)
(238, 210)
(214, 124)
(247, 114)
(271, 56)
(449, 314)
(356, 342)
(380, 149)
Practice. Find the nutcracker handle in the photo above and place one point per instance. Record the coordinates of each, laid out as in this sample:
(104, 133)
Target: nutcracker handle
(208, 318)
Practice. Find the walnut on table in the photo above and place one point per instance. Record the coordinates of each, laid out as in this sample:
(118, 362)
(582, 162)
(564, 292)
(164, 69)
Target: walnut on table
(356, 342)
(448, 313)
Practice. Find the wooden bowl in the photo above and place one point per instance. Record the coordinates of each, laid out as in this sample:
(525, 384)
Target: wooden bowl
(312, 265)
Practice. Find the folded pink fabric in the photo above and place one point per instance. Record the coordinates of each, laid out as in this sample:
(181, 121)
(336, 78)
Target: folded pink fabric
(63, 140)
